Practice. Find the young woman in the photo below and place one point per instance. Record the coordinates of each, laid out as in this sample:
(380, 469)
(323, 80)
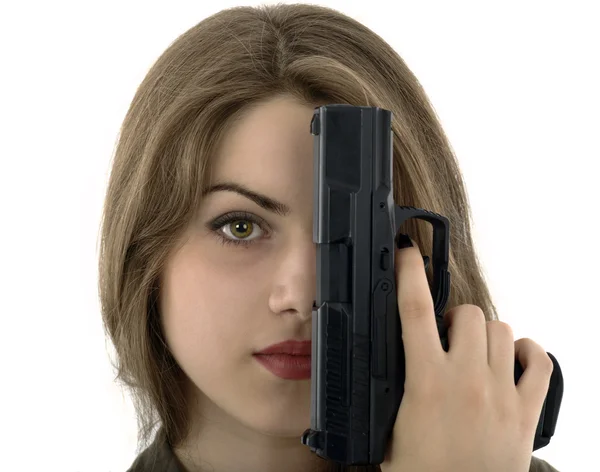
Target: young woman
(207, 257)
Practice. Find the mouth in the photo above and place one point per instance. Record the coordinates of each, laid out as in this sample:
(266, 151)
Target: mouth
(291, 347)
(286, 366)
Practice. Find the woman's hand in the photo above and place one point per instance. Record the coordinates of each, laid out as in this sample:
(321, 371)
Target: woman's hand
(461, 410)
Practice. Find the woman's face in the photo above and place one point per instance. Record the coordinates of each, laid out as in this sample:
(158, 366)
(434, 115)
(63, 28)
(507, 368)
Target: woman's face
(222, 302)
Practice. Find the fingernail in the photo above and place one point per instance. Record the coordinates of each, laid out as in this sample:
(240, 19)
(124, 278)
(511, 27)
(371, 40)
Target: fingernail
(403, 241)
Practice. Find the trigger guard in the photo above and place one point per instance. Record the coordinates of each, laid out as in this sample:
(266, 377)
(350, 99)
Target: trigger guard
(440, 290)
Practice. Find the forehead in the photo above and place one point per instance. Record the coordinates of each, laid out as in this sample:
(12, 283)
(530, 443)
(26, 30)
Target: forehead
(270, 150)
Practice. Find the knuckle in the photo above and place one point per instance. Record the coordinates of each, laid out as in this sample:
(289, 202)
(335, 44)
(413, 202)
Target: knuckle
(500, 327)
(413, 309)
(526, 345)
(466, 312)
(530, 343)
(473, 310)
(537, 355)
(546, 363)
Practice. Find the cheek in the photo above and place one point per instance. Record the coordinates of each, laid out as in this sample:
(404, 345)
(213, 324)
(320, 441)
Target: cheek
(208, 308)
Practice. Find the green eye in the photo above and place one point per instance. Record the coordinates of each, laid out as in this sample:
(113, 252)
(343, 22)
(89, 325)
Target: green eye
(236, 228)
(241, 228)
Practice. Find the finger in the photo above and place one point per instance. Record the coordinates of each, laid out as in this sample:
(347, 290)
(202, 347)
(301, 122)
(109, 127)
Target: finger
(467, 336)
(415, 305)
(501, 351)
(537, 370)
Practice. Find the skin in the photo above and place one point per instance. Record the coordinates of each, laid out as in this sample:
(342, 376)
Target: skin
(220, 303)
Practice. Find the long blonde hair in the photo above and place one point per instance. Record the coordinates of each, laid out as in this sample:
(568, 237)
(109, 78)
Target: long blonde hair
(207, 78)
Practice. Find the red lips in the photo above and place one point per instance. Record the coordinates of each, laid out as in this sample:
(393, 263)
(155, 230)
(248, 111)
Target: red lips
(289, 360)
(291, 347)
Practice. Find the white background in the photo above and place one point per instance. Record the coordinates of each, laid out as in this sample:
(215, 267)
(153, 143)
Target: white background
(515, 84)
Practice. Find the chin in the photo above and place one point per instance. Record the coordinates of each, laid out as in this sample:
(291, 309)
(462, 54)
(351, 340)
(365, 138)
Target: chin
(283, 430)
(287, 424)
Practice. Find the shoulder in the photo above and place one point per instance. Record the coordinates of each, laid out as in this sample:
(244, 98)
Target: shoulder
(539, 465)
(158, 457)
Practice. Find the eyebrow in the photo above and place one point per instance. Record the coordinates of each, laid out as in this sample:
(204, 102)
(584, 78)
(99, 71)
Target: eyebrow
(263, 201)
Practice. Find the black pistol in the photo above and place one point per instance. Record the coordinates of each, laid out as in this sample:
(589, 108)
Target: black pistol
(358, 366)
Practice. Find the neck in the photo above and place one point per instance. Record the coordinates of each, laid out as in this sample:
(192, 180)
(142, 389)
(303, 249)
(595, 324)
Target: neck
(220, 443)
